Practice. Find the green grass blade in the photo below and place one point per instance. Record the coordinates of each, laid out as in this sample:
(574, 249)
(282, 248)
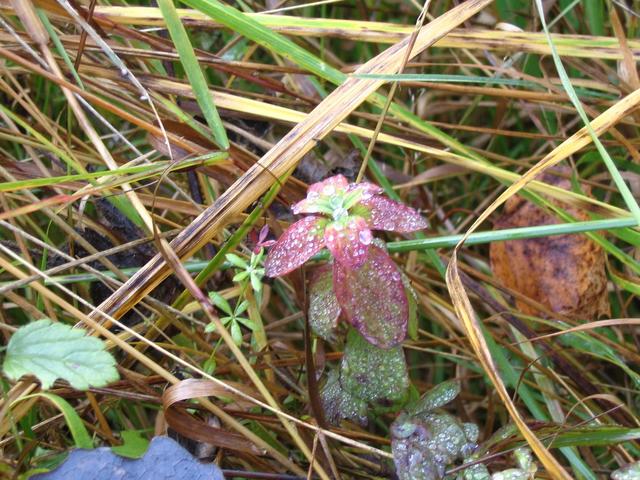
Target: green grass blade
(77, 429)
(146, 171)
(193, 71)
(628, 197)
(448, 241)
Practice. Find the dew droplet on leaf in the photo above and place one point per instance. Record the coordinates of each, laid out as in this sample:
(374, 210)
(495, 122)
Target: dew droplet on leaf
(387, 214)
(373, 298)
(294, 248)
(324, 309)
(347, 249)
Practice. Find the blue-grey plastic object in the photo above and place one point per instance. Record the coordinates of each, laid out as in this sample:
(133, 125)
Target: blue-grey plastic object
(165, 460)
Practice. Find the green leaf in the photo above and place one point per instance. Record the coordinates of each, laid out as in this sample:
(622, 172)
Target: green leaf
(238, 277)
(250, 324)
(193, 71)
(412, 299)
(339, 403)
(53, 350)
(236, 333)
(211, 327)
(134, 445)
(256, 258)
(241, 307)
(220, 302)
(235, 260)
(77, 429)
(372, 374)
(210, 365)
(324, 309)
(256, 282)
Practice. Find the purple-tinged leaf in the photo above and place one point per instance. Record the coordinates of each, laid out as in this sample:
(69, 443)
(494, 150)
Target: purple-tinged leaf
(339, 403)
(324, 308)
(304, 206)
(297, 244)
(349, 241)
(373, 298)
(309, 205)
(387, 214)
(411, 456)
(327, 187)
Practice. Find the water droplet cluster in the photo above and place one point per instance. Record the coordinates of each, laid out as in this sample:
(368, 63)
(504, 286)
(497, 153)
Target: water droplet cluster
(324, 308)
(438, 438)
(373, 298)
(297, 245)
(386, 214)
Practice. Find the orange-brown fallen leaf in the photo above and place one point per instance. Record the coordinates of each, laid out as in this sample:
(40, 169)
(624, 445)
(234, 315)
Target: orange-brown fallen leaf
(565, 273)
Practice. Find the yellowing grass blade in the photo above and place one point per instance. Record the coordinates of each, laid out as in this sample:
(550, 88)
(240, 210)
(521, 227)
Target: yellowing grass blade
(382, 32)
(461, 302)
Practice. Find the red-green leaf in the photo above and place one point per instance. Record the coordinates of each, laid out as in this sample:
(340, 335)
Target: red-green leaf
(328, 187)
(349, 241)
(373, 298)
(306, 206)
(387, 214)
(298, 244)
(324, 309)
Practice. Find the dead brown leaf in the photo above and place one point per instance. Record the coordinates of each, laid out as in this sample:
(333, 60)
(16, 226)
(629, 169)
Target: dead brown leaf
(565, 273)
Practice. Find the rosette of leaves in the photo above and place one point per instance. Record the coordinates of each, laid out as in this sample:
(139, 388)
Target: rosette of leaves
(362, 283)
(251, 271)
(233, 320)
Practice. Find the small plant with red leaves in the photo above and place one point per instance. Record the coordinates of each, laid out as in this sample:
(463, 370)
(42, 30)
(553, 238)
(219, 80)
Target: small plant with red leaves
(363, 284)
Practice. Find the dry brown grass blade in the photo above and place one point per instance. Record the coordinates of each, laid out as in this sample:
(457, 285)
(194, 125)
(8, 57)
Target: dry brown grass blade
(182, 422)
(589, 326)
(461, 301)
(37, 31)
(283, 157)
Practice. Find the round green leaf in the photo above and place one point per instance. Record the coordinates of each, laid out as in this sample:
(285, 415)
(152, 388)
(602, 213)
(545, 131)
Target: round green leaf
(51, 350)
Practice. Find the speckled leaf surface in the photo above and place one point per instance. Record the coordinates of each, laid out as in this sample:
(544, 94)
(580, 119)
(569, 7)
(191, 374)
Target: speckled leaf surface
(327, 187)
(387, 214)
(165, 460)
(413, 461)
(628, 472)
(324, 309)
(373, 298)
(565, 273)
(349, 241)
(437, 397)
(298, 244)
(375, 375)
(367, 189)
(339, 403)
